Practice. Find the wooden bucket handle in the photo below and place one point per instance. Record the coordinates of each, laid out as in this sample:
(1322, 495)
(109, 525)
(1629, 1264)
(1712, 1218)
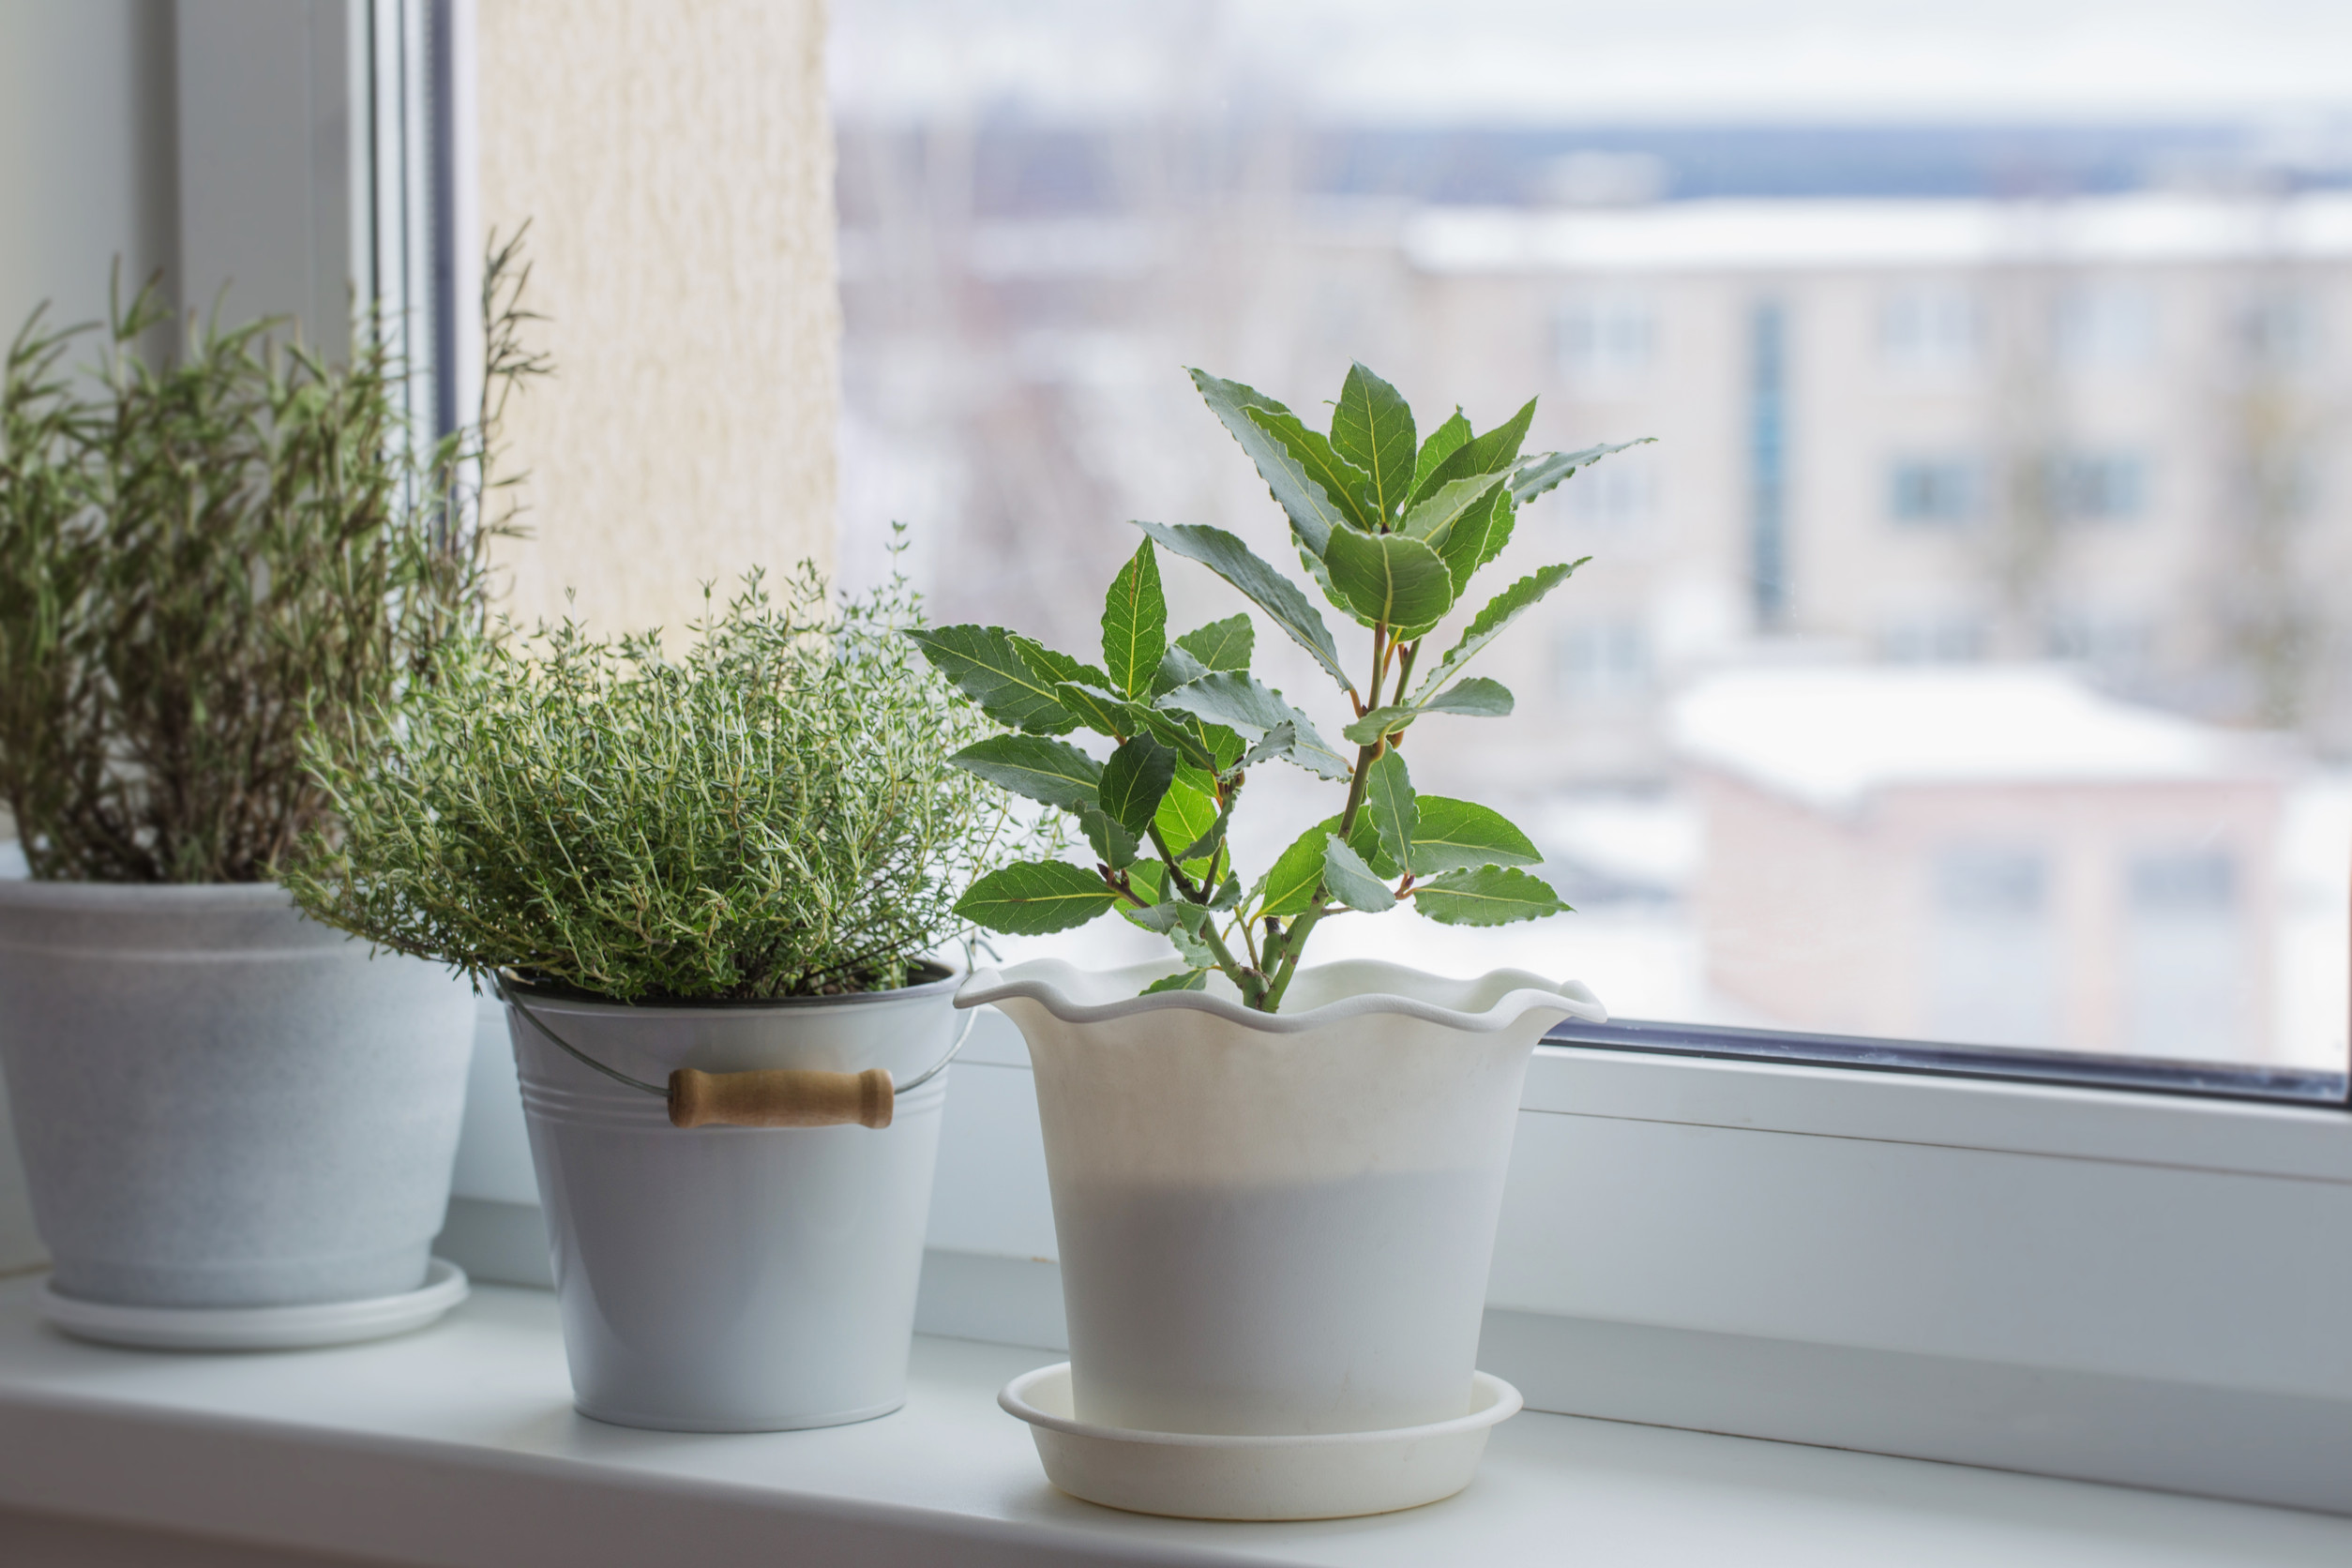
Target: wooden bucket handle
(780, 1098)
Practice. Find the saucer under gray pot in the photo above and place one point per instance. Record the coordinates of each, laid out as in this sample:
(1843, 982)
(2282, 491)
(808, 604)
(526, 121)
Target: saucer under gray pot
(221, 1104)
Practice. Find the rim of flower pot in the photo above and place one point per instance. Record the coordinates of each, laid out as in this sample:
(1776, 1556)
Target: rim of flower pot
(71, 896)
(564, 999)
(1508, 995)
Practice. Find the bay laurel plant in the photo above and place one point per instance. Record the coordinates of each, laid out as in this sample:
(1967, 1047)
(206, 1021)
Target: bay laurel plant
(1393, 527)
(769, 813)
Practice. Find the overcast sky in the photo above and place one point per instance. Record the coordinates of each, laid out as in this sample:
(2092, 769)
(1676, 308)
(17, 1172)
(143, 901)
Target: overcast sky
(1520, 61)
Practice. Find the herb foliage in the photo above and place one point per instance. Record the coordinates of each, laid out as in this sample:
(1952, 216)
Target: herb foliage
(770, 814)
(1391, 527)
(205, 559)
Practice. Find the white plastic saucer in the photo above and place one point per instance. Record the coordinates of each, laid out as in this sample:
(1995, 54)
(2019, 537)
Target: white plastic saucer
(1198, 1475)
(257, 1328)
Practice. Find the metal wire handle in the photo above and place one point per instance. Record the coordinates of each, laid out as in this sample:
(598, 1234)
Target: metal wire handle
(498, 983)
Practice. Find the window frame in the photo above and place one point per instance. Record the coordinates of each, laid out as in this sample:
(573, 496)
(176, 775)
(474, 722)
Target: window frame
(1664, 1176)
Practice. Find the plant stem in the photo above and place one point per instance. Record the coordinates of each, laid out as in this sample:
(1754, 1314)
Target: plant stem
(1249, 978)
(1177, 879)
(1293, 944)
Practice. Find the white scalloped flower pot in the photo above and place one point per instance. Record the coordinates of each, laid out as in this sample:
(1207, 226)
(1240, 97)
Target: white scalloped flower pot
(1277, 1225)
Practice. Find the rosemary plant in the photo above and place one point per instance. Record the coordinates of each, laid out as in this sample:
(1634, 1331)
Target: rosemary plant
(201, 561)
(770, 814)
(1392, 528)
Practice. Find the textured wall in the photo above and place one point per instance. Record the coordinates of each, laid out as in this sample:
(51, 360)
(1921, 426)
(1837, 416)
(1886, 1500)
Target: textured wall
(677, 163)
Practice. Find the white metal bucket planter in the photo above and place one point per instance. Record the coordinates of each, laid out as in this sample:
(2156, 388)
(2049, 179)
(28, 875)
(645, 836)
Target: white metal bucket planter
(1276, 1225)
(222, 1104)
(744, 1277)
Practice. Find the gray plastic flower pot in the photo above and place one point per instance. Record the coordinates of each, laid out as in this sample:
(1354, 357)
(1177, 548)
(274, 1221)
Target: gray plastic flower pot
(221, 1102)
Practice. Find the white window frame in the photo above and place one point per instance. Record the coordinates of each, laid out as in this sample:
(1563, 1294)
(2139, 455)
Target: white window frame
(2086, 1282)
(318, 171)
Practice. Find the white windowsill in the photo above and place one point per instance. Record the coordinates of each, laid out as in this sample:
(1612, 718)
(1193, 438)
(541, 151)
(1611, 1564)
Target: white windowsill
(457, 1446)
(2090, 1284)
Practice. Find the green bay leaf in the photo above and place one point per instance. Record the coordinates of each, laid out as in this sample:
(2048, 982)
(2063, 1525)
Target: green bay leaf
(1478, 536)
(1287, 888)
(1545, 470)
(1135, 778)
(1189, 810)
(1491, 452)
(1440, 446)
(1054, 772)
(1036, 897)
(1272, 593)
(985, 664)
(1342, 481)
(1475, 696)
(1225, 645)
(1389, 578)
(1373, 428)
(1312, 511)
(1434, 518)
(1350, 881)
(1486, 895)
(1389, 801)
(1134, 624)
(1461, 835)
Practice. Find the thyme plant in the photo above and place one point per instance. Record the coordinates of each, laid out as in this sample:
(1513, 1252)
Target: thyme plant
(770, 814)
(1392, 528)
(200, 560)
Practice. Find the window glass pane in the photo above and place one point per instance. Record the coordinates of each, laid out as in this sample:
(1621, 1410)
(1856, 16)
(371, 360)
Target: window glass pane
(2105, 326)
(1995, 951)
(1604, 341)
(1966, 663)
(1938, 489)
(1930, 331)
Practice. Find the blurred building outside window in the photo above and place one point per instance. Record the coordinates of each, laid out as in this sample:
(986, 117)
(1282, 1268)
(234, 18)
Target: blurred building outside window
(1616, 496)
(1604, 659)
(2279, 328)
(1606, 342)
(1992, 458)
(1931, 331)
(2106, 326)
(2099, 487)
(1949, 638)
(1997, 955)
(1934, 491)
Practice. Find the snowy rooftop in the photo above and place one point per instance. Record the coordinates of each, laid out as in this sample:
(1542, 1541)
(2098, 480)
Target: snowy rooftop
(1829, 737)
(1739, 235)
